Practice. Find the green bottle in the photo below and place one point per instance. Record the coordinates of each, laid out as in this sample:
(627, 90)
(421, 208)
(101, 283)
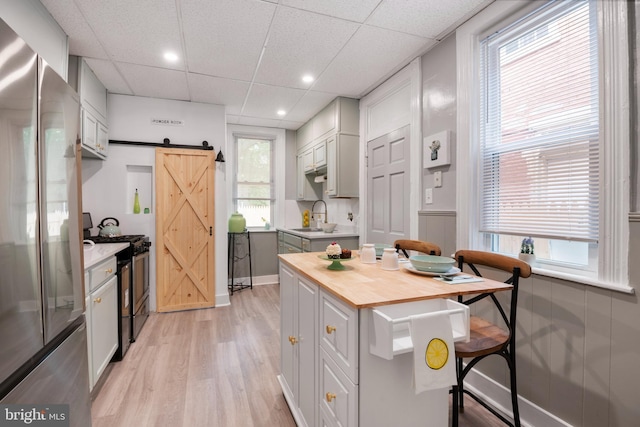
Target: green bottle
(136, 203)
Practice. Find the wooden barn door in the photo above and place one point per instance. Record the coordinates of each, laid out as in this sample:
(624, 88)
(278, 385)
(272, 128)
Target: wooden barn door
(184, 229)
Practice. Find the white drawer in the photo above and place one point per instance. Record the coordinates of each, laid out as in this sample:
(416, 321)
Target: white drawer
(338, 395)
(338, 332)
(389, 327)
(101, 272)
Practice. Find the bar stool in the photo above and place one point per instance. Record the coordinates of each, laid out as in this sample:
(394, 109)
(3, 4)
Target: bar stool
(487, 338)
(233, 259)
(416, 245)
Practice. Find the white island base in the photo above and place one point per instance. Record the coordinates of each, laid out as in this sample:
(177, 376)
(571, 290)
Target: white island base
(339, 367)
(387, 396)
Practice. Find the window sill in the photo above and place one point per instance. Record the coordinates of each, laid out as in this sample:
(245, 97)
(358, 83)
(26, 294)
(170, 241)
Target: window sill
(626, 289)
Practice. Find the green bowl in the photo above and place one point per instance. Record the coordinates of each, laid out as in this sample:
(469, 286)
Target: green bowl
(432, 263)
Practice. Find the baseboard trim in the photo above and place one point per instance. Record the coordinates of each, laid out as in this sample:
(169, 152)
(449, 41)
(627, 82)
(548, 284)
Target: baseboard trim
(499, 398)
(271, 279)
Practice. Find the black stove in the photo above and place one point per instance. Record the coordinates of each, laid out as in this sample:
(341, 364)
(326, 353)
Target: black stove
(138, 243)
(116, 239)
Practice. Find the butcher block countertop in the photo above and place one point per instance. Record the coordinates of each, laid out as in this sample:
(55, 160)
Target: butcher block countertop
(368, 285)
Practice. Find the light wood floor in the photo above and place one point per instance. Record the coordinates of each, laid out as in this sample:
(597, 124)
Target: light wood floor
(209, 368)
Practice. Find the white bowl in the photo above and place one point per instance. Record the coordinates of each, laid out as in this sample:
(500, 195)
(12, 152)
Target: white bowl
(328, 227)
(432, 263)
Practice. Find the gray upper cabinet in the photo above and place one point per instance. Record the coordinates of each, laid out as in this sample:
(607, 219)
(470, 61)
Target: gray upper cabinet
(304, 135)
(328, 144)
(342, 115)
(93, 101)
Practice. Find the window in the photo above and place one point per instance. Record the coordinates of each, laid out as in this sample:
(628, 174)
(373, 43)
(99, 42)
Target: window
(544, 136)
(253, 190)
(539, 136)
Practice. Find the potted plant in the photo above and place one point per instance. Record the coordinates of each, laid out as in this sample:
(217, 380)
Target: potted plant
(527, 253)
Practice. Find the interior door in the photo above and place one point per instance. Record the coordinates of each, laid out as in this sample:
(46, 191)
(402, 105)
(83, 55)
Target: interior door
(184, 229)
(388, 187)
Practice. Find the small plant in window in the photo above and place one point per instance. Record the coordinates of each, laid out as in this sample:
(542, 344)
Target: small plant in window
(266, 223)
(527, 246)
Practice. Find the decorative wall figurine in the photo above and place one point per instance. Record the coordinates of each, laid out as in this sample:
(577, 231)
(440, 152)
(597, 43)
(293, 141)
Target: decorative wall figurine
(435, 149)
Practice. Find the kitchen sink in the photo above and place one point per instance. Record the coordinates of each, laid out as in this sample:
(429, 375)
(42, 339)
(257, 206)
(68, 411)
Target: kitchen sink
(306, 229)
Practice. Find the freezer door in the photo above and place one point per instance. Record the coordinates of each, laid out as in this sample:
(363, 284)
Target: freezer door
(20, 301)
(59, 213)
(61, 378)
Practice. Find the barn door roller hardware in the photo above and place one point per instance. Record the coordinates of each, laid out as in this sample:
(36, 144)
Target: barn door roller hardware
(167, 144)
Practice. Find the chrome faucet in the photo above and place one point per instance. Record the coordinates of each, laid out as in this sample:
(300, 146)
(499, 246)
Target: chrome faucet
(325, 209)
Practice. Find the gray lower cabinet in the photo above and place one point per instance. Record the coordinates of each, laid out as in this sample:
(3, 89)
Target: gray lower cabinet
(290, 243)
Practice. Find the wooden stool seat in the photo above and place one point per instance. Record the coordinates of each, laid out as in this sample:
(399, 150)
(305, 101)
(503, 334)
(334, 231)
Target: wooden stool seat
(486, 338)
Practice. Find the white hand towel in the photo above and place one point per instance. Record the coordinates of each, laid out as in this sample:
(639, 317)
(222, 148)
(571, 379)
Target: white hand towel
(433, 352)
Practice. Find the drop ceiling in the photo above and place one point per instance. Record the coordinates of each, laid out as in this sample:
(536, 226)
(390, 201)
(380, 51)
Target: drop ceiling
(250, 55)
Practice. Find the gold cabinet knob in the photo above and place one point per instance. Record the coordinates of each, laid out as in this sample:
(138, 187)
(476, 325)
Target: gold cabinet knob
(330, 396)
(109, 271)
(98, 300)
(330, 329)
(293, 340)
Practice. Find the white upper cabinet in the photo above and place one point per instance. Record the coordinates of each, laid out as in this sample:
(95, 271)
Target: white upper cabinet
(93, 99)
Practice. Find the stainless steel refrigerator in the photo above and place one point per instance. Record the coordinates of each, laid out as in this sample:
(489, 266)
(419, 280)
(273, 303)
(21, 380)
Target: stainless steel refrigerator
(43, 347)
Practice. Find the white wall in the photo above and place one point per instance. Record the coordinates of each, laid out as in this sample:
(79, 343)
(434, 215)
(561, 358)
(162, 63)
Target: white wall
(107, 186)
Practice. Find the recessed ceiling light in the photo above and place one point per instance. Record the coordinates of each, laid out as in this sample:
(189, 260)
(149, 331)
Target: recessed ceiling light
(170, 56)
(282, 112)
(307, 78)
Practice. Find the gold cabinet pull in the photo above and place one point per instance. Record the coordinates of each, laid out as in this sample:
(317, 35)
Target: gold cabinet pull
(98, 300)
(293, 340)
(330, 396)
(330, 329)
(109, 271)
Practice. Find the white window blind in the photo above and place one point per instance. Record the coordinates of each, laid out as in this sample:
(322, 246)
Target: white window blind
(539, 155)
(254, 189)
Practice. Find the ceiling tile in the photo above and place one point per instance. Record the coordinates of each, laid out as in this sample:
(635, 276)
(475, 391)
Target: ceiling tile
(369, 57)
(425, 18)
(155, 82)
(82, 40)
(301, 43)
(309, 105)
(214, 90)
(352, 10)
(264, 101)
(109, 75)
(224, 38)
(232, 51)
(137, 32)
(256, 121)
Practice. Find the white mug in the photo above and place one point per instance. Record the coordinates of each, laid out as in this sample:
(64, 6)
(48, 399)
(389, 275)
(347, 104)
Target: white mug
(390, 259)
(368, 254)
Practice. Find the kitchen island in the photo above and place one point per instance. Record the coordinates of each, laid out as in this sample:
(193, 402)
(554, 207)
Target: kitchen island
(330, 326)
